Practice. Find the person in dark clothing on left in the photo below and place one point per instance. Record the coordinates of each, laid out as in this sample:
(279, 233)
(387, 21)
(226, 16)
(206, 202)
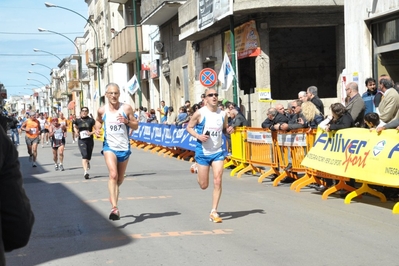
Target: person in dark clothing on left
(16, 216)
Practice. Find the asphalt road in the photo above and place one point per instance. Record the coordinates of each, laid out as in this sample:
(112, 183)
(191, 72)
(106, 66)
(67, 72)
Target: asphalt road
(164, 219)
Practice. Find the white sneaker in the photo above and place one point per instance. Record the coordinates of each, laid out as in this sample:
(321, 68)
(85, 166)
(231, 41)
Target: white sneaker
(73, 141)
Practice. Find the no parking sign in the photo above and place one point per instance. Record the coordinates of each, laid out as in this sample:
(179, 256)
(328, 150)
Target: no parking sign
(208, 77)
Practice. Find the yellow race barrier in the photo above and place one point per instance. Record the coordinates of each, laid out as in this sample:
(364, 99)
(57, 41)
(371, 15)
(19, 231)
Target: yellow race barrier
(237, 157)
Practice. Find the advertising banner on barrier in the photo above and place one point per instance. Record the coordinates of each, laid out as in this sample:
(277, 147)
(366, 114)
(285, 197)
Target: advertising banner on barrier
(357, 153)
(259, 137)
(297, 139)
(165, 135)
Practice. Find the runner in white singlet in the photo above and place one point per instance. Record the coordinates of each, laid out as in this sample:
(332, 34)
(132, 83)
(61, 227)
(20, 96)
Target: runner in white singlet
(207, 125)
(117, 118)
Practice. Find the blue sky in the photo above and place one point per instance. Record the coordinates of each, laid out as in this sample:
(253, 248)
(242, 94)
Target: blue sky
(20, 20)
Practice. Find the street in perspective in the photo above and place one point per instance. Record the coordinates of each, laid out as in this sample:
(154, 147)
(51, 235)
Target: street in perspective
(165, 218)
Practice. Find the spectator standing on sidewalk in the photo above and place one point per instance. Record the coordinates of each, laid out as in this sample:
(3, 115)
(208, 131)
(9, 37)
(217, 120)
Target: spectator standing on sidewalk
(355, 105)
(84, 128)
(163, 112)
(118, 118)
(14, 129)
(312, 96)
(16, 215)
(208, 125)
(368, 96)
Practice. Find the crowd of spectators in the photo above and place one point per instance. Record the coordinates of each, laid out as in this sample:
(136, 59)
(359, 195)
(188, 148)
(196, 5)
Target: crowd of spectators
(169, 116)
(376, 109)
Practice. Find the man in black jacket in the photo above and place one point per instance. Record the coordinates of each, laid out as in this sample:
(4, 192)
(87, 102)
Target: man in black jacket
(16, 217)
(312, 96)
(274, 117)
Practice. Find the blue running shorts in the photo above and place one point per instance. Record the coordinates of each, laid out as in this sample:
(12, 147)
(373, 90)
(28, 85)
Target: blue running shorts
(121, 156)
(208, 159)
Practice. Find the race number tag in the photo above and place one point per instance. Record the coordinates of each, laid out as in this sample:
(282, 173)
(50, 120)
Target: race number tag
(84, 134)
(33, 130)
(58, 135)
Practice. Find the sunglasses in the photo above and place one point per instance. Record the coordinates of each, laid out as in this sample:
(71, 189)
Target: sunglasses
(212, 94)
(293, 107)
(85, 110)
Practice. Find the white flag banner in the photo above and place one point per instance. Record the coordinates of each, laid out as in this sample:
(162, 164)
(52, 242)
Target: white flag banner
(226, 74)
(132, 85)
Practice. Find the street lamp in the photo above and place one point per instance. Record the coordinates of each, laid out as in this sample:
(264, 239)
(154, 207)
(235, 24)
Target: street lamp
(32, 72)
(39, 82)
(34, 85)
(38, 50)
(79, 60)
(33, 64)
(47, 4)
(66, 77)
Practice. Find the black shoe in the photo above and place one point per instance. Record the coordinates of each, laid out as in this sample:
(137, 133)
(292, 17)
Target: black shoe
(287, 180)
(272, 177)
(343, 193)
(288, 168)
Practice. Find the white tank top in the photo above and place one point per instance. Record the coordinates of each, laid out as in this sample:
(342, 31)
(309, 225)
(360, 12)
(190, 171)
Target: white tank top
(42, 122)
(115, 133)
(212, 122)
(58, 136)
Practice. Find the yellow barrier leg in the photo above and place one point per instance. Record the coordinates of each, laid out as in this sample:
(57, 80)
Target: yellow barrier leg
(246, 169)
(266, 174)
(148, 147)
(156, 149)
(341, 185)
(364, 189)
(395, 209)
(238, 168)
(279, 178)
(230, 163)
(302, 182)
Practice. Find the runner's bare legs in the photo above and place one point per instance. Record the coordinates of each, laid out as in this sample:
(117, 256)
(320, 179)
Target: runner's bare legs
(203, 180)
(116, 176)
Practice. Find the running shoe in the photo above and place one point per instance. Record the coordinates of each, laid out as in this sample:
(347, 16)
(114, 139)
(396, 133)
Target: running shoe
(47, 143)
(34, 164)
(86, 175)
(114, 215)
(193, 168)
(61, 167)
(56, 167)
(214, 217)
(88, 165)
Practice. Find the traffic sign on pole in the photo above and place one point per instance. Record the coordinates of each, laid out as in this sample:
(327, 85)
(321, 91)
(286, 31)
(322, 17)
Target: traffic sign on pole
(208, 77)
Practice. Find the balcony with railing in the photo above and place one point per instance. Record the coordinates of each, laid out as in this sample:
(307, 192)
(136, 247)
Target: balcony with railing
(123, 45)
(157, 12)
